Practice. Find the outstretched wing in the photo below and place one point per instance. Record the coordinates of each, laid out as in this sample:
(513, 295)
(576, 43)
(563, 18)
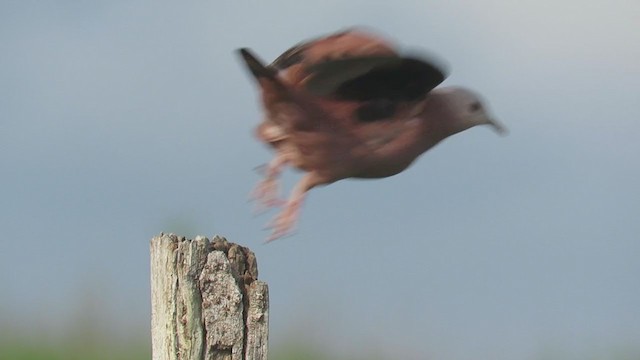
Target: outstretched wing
(364, 78)
(380, 84)
(296, 54)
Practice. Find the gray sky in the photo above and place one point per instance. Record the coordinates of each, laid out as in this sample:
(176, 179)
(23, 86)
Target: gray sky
(122, 119)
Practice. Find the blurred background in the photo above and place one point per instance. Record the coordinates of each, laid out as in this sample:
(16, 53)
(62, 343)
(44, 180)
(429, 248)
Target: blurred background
(123, 119)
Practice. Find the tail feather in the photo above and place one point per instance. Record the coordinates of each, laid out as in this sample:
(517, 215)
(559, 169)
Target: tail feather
(257, 68)
(275, 90)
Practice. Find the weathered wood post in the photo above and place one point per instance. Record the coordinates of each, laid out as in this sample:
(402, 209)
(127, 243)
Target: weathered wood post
(206, 301)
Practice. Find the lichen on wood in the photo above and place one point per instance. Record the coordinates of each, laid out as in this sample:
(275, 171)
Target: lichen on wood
(207, 302)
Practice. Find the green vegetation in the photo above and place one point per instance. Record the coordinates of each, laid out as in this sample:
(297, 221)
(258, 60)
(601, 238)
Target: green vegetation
(22, 350)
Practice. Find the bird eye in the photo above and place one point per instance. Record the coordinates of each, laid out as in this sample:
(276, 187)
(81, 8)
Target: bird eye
(475, 106)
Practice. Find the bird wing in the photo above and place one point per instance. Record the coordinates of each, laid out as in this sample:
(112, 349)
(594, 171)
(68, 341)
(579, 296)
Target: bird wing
(298, 53)
(292, 56)
(363, 78)
(341, 80)
(380, 85)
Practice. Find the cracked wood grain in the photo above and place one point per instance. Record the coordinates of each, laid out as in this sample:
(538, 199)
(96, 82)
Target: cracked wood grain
(207, 302)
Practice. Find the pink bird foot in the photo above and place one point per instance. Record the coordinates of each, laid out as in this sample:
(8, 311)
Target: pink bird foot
(267, 195)
(284, 223)
(267, 192)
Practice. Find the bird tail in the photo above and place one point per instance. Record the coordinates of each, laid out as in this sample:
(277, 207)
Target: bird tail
(258, 69)
(267, 76)
(255, 65)
(275, 90)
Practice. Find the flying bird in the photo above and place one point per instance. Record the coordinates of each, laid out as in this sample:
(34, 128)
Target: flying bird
(351, 105)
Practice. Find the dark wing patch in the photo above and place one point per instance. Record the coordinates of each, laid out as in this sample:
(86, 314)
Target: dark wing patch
(374, 77)
(329, 75)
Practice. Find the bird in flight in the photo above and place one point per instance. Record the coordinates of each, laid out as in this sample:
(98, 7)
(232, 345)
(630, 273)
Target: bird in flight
(351, 105)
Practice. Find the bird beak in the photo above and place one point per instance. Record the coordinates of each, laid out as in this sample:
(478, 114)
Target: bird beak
(497, 126)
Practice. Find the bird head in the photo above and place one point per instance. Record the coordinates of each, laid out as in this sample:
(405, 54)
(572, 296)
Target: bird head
(467, 109)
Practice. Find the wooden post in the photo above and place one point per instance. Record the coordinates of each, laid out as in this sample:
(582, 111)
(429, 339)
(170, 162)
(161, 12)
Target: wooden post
(206, 302)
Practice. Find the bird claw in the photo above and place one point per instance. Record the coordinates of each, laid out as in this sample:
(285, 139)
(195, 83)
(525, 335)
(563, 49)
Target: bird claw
(263, 207)
(284, 223)
(266, 194)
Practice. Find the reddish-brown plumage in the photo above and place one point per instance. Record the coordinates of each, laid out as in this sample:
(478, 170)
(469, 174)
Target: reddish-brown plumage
(349, 105)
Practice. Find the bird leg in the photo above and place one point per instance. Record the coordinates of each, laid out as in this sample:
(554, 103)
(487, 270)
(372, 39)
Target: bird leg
(267, 192)
(284, 222)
